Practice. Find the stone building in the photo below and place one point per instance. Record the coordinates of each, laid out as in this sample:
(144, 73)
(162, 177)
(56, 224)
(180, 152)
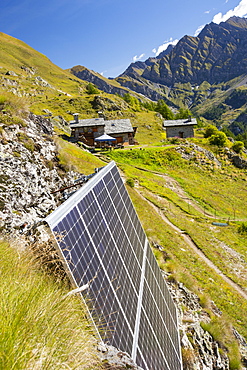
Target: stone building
(87, 130)
(181, 128)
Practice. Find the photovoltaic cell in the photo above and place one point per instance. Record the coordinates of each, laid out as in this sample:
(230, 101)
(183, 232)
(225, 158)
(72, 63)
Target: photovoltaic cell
(104, 245)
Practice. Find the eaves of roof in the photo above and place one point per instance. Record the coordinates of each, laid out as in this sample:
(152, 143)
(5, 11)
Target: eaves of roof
(180, 122)
(87, 122)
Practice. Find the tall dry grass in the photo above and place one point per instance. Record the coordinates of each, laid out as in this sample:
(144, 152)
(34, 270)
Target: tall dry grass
(41, 327)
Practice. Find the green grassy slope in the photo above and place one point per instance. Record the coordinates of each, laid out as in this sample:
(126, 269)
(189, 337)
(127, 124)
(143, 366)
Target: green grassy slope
(30, 74)
(220, 193)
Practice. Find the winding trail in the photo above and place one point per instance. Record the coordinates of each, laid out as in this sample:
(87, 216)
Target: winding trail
(174, 185)
(193, 246)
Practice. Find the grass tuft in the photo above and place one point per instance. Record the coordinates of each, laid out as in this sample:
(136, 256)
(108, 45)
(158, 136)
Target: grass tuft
(40, 327)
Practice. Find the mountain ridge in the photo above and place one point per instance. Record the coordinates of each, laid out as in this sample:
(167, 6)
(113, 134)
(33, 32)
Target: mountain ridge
(196, 59)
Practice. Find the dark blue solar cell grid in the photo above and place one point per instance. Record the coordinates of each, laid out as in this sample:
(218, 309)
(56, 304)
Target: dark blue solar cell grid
(103, 242)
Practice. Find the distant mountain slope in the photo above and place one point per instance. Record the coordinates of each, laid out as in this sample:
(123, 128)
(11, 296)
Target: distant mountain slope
(195, 70)
(48, 88)
(104, 84)
(217, 54)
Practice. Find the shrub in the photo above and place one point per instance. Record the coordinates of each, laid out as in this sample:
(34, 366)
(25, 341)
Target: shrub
(210, 130)
(91, 89)
(238, 146)
(130, 182)
(218, 139)
(242, 229)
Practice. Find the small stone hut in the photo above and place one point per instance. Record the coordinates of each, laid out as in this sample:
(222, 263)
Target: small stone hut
(181, 128)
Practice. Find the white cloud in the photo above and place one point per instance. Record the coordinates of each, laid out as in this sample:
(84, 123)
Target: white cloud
(240, 11)
(199, 30)
(135, 58)
(207, 12)
(164, 46)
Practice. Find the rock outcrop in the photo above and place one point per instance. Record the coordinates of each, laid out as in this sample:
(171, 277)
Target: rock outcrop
(102, 83)
(29, 173)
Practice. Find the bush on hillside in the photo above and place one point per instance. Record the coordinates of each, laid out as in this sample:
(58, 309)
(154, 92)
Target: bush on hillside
(210, 130)
(218, 139)
(130, 182)
(242, 229)
(91, 89)
(238, 146)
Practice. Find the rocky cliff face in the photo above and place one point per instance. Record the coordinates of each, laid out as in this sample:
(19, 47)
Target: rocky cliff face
(29, 173)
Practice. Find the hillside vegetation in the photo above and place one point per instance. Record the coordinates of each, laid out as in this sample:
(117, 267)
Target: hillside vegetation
(41, 326)
(192, 195)
(47, 88)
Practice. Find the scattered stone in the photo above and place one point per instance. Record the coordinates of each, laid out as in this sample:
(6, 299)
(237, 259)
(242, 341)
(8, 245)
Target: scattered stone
(47, 111)
(41, 82)
(190, 151)
(11, 73)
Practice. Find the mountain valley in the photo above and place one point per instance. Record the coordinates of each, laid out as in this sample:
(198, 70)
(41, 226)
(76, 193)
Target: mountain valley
(190, 195)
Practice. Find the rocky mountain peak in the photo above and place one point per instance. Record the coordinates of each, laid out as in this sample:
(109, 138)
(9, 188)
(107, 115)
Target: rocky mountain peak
(237, 22)
(217, 54)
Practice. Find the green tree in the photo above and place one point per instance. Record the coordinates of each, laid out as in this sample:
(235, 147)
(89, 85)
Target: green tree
(164, 110)
(91, 89)
(183, 113)
(132, 101)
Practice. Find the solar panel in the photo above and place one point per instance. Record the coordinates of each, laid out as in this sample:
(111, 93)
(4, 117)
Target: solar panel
(103, 244)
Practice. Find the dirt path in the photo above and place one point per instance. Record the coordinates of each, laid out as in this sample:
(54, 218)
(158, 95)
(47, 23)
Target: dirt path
(174, 185)
(193, 246)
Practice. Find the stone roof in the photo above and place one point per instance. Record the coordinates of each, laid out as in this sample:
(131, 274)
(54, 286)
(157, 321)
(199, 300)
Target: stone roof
(87, 122)
(180, 122)
(118, 126)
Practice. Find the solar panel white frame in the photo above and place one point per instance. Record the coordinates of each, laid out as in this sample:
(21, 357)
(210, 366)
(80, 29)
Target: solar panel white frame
(103, 243)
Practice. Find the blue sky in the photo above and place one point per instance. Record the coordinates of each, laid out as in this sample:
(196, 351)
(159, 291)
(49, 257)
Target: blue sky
(107, 35)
